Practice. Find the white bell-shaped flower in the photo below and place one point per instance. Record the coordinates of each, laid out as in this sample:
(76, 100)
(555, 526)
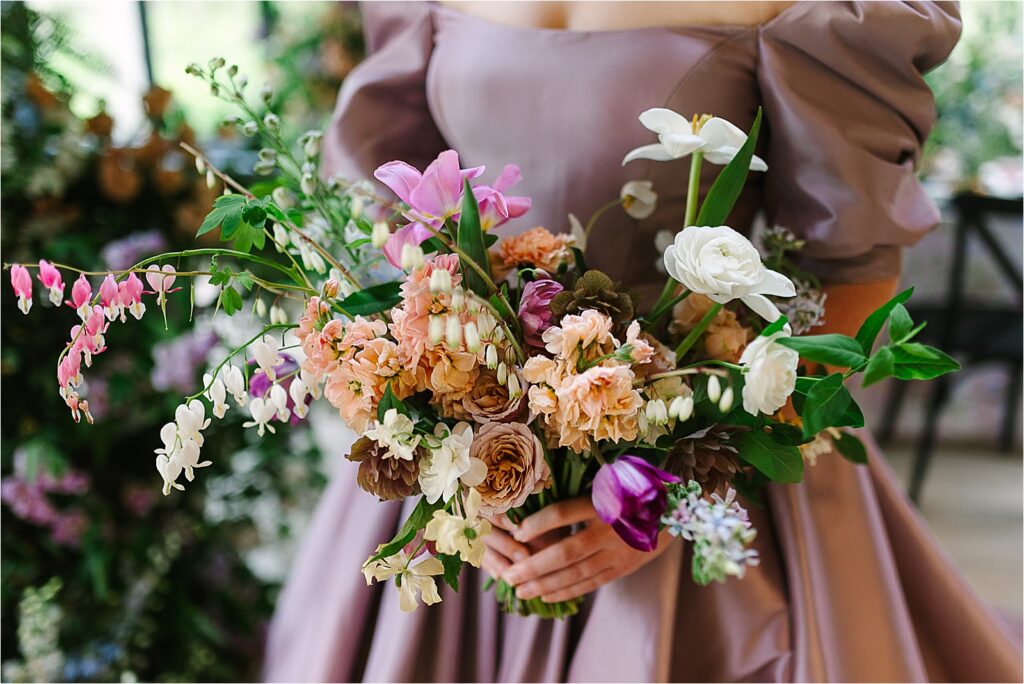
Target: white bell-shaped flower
(262, 412)
(298, 392)
(234, 382)
(265, 353)
(279, 398)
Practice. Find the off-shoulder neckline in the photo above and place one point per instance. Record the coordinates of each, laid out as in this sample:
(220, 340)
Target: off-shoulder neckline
(732, 28)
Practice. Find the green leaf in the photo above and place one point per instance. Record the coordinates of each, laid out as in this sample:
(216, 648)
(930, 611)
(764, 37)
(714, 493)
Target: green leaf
(231, 300)
(914, 361)
(879, 367)
(471, 241)
(417, 520)
(225, 208)
(852, 416)
(775, 327)
(831, 349)
(452, 569)
(779, 462)
(245, 280)
(372, 299)
(255, 213)
(825, 404)
(869, 330)
(786, 434)
(851, 448)
(390, 401)
(900, 323)
(722, 196)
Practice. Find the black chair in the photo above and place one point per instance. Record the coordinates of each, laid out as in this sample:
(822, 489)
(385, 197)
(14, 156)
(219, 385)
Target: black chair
(974, 332)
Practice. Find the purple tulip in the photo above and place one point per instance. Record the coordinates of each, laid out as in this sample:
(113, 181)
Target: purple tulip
(535, 309)
(630, 495)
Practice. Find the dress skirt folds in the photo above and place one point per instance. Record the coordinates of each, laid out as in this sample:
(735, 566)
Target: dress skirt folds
(851, 586)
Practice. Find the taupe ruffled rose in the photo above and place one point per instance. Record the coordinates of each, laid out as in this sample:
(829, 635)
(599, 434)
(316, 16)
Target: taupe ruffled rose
(385, 477)
(488, 400)
(515, 465)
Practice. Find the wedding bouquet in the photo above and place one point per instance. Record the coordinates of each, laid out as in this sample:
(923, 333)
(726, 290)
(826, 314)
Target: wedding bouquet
(496, 376)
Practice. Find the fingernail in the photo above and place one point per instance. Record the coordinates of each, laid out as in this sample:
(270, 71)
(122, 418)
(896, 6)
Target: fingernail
(512, 576)
(518, 534)
(525, 592)
(520, 555)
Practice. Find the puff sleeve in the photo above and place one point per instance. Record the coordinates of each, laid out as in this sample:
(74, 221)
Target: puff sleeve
(382, 112)
(848, 113)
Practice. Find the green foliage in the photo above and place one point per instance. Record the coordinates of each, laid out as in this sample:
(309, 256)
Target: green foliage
(241, 221)
(825, 404)
(416, 521)
(471, 242)
(722, 196)
(779, 462)
(873, 324)
(452, 569)
(832, 349)
(851, 448)
(390, 401)
(372, 299)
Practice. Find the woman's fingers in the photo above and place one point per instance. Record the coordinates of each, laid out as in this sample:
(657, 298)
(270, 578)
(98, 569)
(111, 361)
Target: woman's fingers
(572, 575)
(494, 564)
(561, 514)
(500, 520)
(501, 542)
(572, 549)
(582, 588)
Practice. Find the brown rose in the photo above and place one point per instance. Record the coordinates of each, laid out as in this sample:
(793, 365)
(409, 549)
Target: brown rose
(488, 399)
(385, 478)
(515, 465)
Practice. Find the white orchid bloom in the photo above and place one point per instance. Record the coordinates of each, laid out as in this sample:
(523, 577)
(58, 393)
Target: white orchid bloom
(170, 471)
(395, 433)
(639, 199)
(265, 353)
(279, 398)
(262, 412)
(460, 534)
(217, 393)
(450, 463)
(717, 139)
(234, 381)
(188, 457)
(298, 392)
(414, 578)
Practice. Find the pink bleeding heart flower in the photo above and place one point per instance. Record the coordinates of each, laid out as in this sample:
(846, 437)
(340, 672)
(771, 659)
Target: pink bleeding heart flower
(21, 281)
(130, 295)
(81, 294)
(110, 297)
(630, 495)
(69, 371)
(50, 277)
(160, 283)
(495, 207)
(535, 309)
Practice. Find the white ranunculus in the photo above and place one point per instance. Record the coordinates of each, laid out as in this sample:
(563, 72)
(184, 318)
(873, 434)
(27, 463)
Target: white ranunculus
(450, 463)
(639, 199)
(770, 374)
(723, 265)
(717, 139)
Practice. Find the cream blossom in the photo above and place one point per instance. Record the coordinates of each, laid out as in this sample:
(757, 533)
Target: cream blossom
(262, 411)
(639, 199)
(234, 382)
(715, 138)
(723, 265)
(217, 393)
(414, 579)
(449, 463)
(265, 353)
(460, 534)
(396, 434)
(770, 374)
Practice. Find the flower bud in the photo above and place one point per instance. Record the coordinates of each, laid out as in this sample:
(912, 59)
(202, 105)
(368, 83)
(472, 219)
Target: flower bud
(356, 207)
(312, 145)
(440, 281)
(271, 121)
(232, 70)
(412, 257)
(686, 409)
(217, 63)
(250, 128)
(453, 332)
(491, 356)
(267, 154)
(241, 82)
(277, 315)
(726, 402)
(214, 89)
(282, 197)
(264, 168)
(211, 179)
(331, 288)
(472, 336)
(232, 120)
(514, 389)
(675, 407)
(281, 238)
(200, 165)
(657, 413)
(308, 184)
(458, 299)
(259, 307)
(267, 93)
(502, 373)
(380, 234)
(714, 388)
(194, 70)
(435, 329)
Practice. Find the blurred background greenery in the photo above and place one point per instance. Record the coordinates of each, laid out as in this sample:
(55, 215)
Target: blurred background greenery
(103, 579)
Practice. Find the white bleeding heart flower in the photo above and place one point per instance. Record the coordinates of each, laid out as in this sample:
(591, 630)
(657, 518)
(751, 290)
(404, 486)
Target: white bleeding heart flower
(234, 382)
(311, 383)
(217, 393)
(723, 265)
(188, 456)
(769, 374)
(265, 353)
(262, 412)
(169, 437)
(298, 392)
(170, 471)
(715, 138)
(279, 398)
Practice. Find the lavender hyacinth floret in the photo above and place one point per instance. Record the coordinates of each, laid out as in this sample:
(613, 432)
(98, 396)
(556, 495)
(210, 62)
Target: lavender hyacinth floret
(719, 529)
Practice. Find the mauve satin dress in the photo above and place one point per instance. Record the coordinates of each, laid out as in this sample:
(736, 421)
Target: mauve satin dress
(851, 584)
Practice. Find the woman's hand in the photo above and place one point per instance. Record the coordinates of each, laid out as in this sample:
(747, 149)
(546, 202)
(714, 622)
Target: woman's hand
(570, 566)
(503, 550)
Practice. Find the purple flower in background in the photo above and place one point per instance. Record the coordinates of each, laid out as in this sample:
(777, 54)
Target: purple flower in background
(535, 309)
(629, 494)
(259, 384)
(126, 252)
(68, 528)
(175, 362)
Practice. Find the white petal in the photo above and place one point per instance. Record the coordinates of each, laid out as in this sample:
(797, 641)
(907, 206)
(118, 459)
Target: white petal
(655, 151)
(758, 164)
(762, 306)
(661, 120)
(476, 473)
(774, 283)
(721, 133)
(679, 145)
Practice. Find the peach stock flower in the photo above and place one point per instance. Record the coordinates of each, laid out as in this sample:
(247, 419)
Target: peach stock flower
(589, 333)
(537, 247)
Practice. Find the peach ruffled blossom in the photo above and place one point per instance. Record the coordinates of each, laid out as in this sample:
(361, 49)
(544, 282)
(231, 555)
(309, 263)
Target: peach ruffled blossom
(588, 333)
(537, 248)
(600, 402)
(725, 339)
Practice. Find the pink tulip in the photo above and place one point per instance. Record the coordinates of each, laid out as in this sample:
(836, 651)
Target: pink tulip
(51, 280)
(21, 281)
(413, 234)
(81, 293)
(495, 208)
(434, 195)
